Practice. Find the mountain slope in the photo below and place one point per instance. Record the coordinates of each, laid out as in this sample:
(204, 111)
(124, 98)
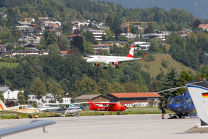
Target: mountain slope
(197, 7)
(155, 67)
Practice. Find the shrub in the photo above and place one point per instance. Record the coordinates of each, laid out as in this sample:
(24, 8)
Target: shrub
(164, 63)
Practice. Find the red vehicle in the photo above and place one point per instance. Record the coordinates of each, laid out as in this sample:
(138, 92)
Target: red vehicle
(112, 107)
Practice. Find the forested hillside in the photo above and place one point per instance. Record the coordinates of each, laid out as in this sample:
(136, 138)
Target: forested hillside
(197, 7)
(72, 74)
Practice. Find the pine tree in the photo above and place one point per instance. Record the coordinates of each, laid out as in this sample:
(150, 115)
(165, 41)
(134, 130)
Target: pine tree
(170, 81)
(109, 21)
(116, 23)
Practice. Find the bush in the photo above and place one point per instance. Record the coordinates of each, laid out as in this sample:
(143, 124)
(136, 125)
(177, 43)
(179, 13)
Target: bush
(149, 57)
(164, 63)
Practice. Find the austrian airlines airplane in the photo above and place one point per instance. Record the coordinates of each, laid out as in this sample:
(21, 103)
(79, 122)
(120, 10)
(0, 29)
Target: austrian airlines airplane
(112, 60)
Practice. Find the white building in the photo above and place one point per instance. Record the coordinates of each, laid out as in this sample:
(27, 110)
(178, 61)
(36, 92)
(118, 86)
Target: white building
(9, 93)
(98, 34)
(158, 34)
(47, 98)
(130, 36)
(101, 46)
(28, 39)
(141, 45)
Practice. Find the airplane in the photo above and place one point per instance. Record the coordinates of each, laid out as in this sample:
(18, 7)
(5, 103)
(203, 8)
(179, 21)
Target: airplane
(198, 90)
(112, 60)
(64, 110)
(112, 107)
(32, 125)
(26, 109)
(43, 105)
(182, 105)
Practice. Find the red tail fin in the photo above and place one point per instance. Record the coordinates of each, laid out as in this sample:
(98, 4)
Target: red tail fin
(143, 55)
(91, 105)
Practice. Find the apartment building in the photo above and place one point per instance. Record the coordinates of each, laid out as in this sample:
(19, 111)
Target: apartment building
(98, 34)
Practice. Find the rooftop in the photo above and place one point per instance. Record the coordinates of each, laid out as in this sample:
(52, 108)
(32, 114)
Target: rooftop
(70, 36)
(89, 97)
(63, 52)
(133, 95)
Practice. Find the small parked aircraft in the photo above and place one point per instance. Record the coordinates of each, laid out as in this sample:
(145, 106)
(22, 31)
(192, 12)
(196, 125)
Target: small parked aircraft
(27, 109)
(111, 60)
(64, 110)
(112, 107)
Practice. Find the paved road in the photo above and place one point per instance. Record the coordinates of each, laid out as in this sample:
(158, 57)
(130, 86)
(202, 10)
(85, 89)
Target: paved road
(147, 126)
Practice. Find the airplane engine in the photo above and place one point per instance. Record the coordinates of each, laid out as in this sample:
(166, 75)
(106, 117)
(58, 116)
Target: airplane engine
(97, 64)
(115, 63)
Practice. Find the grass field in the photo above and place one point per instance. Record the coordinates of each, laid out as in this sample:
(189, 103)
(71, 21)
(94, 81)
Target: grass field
(143, 110)
(155, 67)
(11, 65)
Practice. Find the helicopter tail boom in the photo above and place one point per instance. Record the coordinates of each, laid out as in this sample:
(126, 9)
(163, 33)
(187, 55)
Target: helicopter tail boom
(198, 90)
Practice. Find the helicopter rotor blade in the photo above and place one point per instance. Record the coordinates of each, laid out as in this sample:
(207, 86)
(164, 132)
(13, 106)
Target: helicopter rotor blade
(171, 89)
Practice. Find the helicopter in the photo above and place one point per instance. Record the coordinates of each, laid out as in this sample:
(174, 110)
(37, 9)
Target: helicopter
(182, 105)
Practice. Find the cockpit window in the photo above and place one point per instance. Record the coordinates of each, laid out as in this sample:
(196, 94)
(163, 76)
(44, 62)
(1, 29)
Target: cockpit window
(179, 100)
(188, 100)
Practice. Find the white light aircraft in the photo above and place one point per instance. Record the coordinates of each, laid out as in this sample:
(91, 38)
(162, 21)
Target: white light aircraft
(112, 60)
(27, 109)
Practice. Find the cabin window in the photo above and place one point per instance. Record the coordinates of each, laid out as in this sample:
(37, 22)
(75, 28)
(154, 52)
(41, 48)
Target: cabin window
(188, 100)
(20, 107)
(24, 107)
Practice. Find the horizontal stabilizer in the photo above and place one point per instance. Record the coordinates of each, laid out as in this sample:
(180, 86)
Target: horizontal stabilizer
(198, 129)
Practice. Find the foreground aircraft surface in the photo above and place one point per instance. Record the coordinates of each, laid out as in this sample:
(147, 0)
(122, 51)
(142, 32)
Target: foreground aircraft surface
(198, 90)
(112, 60)
(112, 107)
(32, 125)
(27, 109)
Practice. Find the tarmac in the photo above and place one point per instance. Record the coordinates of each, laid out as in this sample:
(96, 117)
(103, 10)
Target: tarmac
(146, 126)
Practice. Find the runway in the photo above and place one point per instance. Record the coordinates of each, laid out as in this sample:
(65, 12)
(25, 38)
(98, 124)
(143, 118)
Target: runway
(147, 126)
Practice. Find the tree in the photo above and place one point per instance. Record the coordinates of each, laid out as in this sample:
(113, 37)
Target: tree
(37, 28)
(38, 87)
(155, 86)
(196, 23)
(56, 89)
(117, 32)
(109, 21)
(78, 42)
(67, 28)
(88, 85)
(131, 87)
(9, 47)
(104, 87)
(116, 23)
(26, 93)
(117, 88)
(53, 49)
(170, 81)
(51, 38)
(2, 97)
(21, 98)
(90, 37)
(17, 14)
(63, 43)
(88, 48)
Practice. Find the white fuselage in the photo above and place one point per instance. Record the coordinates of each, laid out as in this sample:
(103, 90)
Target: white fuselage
(107, 59)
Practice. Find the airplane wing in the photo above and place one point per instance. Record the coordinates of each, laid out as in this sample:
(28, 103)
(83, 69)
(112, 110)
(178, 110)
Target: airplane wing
(32, 125)
(127, 60)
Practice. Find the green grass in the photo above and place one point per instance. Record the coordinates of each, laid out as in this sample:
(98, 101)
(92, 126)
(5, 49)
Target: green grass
(143, 110)
(155, 67)
(11, 65)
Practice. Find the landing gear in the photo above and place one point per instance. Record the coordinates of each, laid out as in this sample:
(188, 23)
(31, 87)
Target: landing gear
(77, 114)
(110, 113)
(117, 67)
(118, 113)
(105, 67)
(122, 112)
